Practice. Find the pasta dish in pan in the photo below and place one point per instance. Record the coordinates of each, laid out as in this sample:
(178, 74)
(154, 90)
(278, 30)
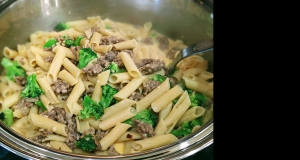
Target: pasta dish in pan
(103, 87)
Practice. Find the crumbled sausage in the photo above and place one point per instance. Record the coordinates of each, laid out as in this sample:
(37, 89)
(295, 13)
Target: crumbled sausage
(111, 40)
(148, 66)
(144, 129)
(112, 151)
(38, 138)
(147, 41)
(61, 87)
(103, 62)
(20, 80)
(150, 86)
(56, 114)
(110, 56)
(93, 70)
(136, 96)
(163, 43)
(25, 104)
(101, 133)
(173, 81)
(91, 131)
(71, 131)
(75, 50)
(48, 59)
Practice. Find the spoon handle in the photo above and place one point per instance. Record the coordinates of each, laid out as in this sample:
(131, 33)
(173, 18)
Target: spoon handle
(191, 50)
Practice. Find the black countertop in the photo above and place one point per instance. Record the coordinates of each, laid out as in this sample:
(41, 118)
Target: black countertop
(205, 154)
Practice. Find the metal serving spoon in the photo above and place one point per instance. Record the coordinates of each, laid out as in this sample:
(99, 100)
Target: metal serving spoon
(191, 50)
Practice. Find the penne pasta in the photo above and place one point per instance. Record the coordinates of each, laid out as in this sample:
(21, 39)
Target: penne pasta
(153, 142)
(56, 64)
(130, 65)
(166, 98)
(118, 117)
(129, 88)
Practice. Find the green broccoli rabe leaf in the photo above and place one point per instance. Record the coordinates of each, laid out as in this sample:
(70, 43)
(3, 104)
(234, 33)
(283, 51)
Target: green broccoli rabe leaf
(185, 130)
(187, 127)
(7, 116)
(146, 116)
(175, 101)
(50, 43)
(86, 143)
(32, 88)
(13, 69)
(69, 43)
(77, 40)
(107, 96)
(85, 56)
(61, 26)
(197, 99)
(158, 77)
(90, 108)
(41, 105)
(114, 68)
(197, 121)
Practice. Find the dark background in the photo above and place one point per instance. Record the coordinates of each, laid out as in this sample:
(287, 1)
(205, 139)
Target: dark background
(205, 154)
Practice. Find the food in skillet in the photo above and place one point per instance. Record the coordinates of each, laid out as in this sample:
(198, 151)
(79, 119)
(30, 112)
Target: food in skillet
(100, 86)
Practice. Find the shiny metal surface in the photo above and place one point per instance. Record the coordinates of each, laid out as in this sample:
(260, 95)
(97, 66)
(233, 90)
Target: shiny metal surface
(179, 19)
(198, 48)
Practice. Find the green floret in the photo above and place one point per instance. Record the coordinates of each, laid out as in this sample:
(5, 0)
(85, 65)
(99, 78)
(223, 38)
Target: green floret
(12, 69)
(114, 68)
(7, 116)
(90, 108)
(77, 40)
(32, 89)
(40, 104)
(158, 77)
(146, 116)
(61, 26)
(197, 99)
(86, 143)
(50, 43)
(69, 42)
(85, 56)
(107, 96)
(187, 127)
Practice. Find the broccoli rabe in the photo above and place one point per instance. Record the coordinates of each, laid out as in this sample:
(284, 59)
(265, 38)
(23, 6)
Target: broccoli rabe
(69, 42)
(40, 104)
(187, 127)
(146, 116)
(32, 88)
(90, 108)
(197, 99)
(12, 69)
(85, 56)
(158, 77)
(107, 96)
(86, 143)
(77, 40)
(61, 26)
(50, 43)
(7, 116)
(114, 68)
